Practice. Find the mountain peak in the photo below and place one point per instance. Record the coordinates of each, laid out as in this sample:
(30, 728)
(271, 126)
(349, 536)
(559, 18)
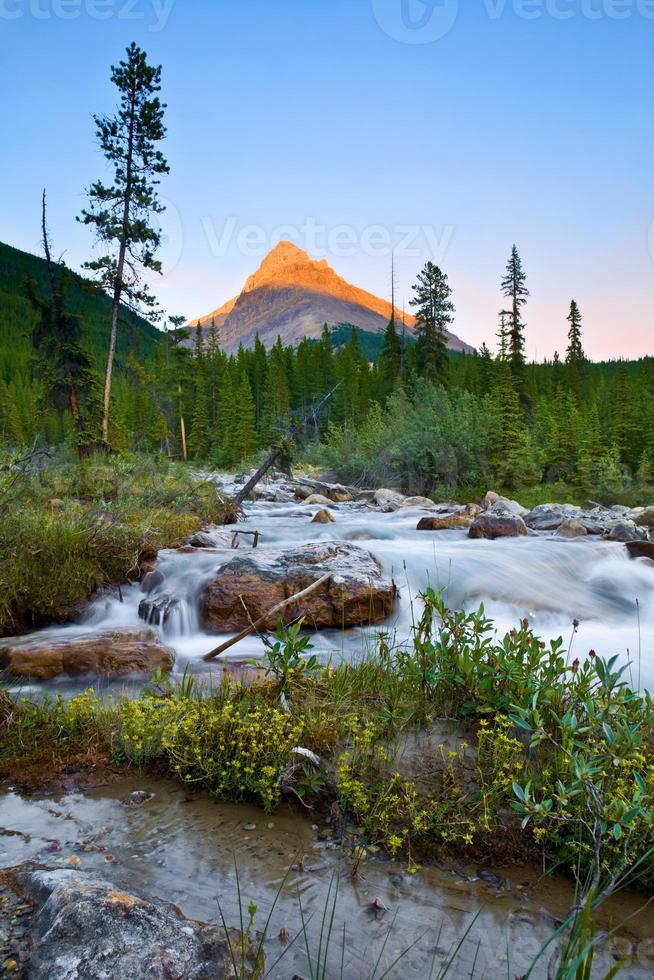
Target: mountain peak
(285, 262)
(293, 295)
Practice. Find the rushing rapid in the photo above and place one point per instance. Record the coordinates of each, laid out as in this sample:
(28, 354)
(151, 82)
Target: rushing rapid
(553, 582)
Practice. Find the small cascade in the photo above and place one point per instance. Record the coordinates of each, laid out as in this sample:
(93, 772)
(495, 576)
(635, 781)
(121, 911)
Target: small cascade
(553, 582)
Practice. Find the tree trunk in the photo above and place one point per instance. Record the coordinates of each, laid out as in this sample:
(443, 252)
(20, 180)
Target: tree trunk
(118, 285)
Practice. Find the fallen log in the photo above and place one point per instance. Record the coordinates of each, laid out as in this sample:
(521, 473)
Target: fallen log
(253, 627)
(279, 451)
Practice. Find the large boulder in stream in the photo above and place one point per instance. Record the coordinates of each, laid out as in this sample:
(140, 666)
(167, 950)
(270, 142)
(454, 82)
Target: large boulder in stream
(110, 653)
(357, 593)
(490, 525)
(85, 928)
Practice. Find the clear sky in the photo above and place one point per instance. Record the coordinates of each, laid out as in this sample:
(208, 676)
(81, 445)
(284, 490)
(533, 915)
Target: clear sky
(449, 129)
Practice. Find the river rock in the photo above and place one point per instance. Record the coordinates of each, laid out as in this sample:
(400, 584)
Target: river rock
(389, 500)
(152, 580)
(322, 517)
(156, 609)
(319, 499)
(339, 494)
(507, 508)
(357, 593)
(444, 523)
(85, 928)
(201, 539)
(110, 653)
(625, 531)
(571, 529)
(419, 502)
(640, 549)
(489, 499)
(492, 525)
(646, 517)
(548, 517)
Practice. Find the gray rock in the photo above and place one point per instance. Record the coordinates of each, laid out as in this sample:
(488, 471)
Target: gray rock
(152, 580)
(625, 531)
(156, 609)
(87, 929)
(489, 499)
(389, 500)
(547, 517)
(505, 507)
(201, 539)
(592, 526)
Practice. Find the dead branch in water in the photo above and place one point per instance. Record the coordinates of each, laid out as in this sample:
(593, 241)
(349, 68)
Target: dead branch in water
(277, 453)
(263, 619)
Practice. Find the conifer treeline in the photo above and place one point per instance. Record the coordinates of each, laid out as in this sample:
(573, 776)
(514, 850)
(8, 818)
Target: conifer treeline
(569, 420)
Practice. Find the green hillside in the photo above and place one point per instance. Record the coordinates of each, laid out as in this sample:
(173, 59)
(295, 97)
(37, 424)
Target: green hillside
(83, 298)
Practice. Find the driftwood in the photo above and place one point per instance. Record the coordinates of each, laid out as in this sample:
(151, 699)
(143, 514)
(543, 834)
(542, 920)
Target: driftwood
(263, 619)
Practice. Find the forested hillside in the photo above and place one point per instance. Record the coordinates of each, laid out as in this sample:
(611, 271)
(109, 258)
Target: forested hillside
(22, 418)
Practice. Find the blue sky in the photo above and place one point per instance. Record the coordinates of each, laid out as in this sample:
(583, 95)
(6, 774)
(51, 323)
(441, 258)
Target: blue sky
(345, 128)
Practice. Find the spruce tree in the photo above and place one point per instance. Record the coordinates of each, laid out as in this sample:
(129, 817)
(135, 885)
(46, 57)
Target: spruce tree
(434, 314)
(514, 288)
(122, 212)
(575, 352)
(389, 362)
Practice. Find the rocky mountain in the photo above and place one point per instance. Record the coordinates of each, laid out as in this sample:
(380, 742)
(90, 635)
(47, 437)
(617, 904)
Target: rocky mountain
(293, 296)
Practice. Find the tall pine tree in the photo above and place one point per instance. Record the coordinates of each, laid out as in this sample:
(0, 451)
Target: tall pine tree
(514, 288)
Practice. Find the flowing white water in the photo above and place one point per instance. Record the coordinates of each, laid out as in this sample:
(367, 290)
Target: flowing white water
(551, 581)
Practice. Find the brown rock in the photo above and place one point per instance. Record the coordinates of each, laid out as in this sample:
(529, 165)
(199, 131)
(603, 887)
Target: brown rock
(110, 654)
(340, 496)
(640, 549)
(571, 529)
(490, 499)
(445, 522)
(493, 526)
(319, 499)
(356, 595)
(322, 517)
